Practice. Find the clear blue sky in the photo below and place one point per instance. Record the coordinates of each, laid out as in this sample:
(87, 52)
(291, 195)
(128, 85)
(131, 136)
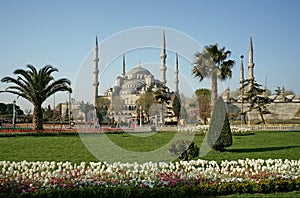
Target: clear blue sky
(62, 33)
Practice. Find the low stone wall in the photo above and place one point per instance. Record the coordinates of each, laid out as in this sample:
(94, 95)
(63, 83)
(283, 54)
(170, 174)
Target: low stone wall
(280, 111)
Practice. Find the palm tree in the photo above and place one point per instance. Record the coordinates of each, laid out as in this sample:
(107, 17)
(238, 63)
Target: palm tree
(86, 108)
(212, 63)
(36, 86)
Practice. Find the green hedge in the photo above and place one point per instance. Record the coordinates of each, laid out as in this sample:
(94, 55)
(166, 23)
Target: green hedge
(212, 189)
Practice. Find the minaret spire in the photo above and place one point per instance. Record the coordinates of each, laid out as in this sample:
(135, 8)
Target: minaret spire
(250, 65)
(123, 66)
(242, 79)
(163, 57)
(96, 72)
(176, 75)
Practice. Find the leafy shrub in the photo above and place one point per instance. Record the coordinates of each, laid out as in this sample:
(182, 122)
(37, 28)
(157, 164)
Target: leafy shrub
(184, 149)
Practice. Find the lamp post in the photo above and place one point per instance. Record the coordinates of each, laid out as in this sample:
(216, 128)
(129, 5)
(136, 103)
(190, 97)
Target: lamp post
(69, 109)
(162, 115)
(140, 116)
(54, 111)
(14, 114)
(242, 90)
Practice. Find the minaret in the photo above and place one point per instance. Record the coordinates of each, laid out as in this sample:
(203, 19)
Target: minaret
(123, 66)
(96, 72)
(176, 75)
(242, 76)
(163, 57)
(250, 65)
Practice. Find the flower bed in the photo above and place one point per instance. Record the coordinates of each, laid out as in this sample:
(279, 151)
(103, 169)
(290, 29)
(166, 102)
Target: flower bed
(4, 132)
(203, 129)
(29, 177)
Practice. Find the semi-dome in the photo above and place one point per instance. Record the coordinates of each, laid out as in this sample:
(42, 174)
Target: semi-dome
(132, 84)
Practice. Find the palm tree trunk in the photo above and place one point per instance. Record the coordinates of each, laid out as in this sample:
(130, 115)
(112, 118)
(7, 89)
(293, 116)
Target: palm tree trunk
(38, 117)
(214, 90)
(85, 117)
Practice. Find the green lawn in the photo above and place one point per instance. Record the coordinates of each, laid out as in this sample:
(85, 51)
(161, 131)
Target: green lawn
(264, 145)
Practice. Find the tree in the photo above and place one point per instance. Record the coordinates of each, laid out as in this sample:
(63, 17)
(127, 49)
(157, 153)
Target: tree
(85, 108)
(184, 149)
(162, 96)
(102, 106)
(176, 105)
(146, 100)
(47, 113)
(203, 99)
(7, 109)
(36, 86)
(278, 91)
(256, 100)
(225, 138)
(219, 134)
(213, 63)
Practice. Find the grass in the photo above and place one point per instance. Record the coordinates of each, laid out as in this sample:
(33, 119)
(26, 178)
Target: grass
(263, 145)
(137, 142)
(47, 148)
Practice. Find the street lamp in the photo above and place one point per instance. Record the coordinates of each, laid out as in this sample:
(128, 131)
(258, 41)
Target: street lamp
(69, 110)
(14, 114)
(140, 116)
(242, 90)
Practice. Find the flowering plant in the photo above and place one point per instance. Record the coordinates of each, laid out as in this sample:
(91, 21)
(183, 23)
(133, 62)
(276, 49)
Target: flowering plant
(203, 130)
(25, 177)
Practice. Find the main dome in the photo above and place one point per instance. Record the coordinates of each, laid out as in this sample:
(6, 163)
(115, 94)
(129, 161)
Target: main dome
(138, 70)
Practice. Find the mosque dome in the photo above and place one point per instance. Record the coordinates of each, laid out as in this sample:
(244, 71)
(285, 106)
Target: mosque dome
(132, 84)
(138, 73)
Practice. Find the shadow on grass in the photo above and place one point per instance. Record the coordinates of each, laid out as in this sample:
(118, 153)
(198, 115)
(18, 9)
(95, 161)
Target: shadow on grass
(264, 149)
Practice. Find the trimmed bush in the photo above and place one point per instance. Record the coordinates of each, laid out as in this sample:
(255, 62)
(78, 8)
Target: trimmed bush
(184, 149)
(219, 134)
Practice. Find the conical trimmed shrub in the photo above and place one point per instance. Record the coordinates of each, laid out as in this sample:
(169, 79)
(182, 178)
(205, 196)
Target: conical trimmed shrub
(219, 134)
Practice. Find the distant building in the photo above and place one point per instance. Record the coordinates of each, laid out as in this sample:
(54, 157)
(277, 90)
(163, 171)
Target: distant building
(129, 86)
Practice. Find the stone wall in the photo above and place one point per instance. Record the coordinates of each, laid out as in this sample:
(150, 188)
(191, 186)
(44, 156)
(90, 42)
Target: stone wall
(281, 111)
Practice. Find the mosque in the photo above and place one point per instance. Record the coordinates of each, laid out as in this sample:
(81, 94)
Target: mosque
(129, 86)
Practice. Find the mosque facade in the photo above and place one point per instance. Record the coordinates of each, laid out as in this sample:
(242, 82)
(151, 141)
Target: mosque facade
(130, 85)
